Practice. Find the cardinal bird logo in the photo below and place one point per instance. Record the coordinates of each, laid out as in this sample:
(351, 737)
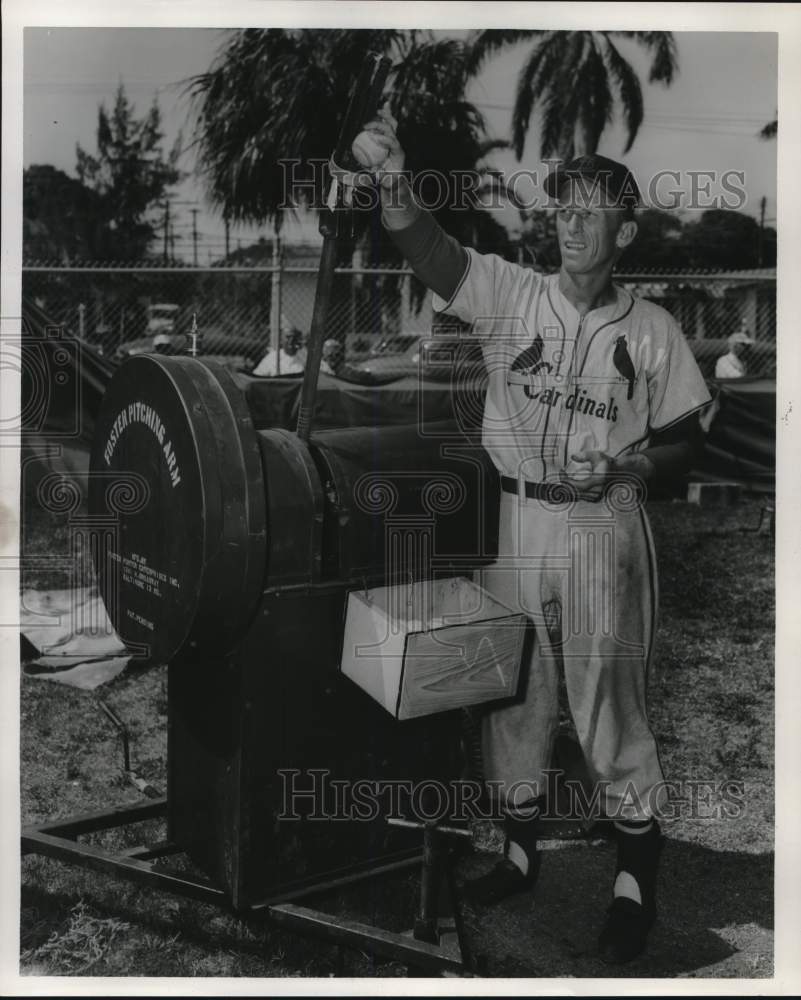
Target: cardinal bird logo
(530, 362)
(622, 361)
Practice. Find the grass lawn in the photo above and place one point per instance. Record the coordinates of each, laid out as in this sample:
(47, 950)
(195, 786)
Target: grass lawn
(712, 709)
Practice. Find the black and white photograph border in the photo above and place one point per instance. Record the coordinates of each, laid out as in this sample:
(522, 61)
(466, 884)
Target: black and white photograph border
(472, 901)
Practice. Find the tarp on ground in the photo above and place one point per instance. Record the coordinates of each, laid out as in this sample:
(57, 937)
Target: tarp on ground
(63, 382)
(741, 441)
(69, 638)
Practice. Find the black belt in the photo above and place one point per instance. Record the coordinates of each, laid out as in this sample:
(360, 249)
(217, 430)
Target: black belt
(551, 492)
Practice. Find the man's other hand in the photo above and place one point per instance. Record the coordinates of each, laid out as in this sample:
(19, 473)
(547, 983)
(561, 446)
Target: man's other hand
(590, 471)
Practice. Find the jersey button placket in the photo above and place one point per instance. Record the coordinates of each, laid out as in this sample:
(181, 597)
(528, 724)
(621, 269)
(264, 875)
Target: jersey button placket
(566, 415)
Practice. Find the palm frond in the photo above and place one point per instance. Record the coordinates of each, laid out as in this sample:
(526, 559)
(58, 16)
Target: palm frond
(436, 68)
(484, 44)
(558, 87)
(664, 57)
(628, 87)
(536, 76)
(591, 98)
(556, 130)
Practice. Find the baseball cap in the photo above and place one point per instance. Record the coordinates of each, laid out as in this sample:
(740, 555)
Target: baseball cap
(616, 180)
(738, 337)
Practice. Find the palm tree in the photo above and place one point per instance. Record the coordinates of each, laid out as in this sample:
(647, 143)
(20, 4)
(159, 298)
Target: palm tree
(268, 113)
(273, 96)
(578, 80)
(270, 107)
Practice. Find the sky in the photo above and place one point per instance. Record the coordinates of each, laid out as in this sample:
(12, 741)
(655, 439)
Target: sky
(707, 120)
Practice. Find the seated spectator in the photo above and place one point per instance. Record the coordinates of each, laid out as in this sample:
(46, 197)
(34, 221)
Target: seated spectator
(162, 343)
(333, 363)
(731, 365)
(333, 357)
(291, 357)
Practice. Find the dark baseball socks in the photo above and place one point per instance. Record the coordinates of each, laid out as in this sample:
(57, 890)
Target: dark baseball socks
(633, 909)
(521, 862)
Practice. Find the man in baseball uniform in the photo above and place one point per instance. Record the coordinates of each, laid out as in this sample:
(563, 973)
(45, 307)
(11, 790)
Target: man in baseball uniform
(592, 394)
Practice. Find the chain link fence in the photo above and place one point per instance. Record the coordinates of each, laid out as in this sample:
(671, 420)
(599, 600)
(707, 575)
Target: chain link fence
(380, 316)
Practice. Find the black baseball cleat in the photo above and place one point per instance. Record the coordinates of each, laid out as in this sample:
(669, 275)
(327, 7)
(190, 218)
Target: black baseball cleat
(502, 881)
(626, 931)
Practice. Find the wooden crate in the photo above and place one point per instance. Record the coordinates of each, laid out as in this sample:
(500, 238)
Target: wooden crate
(431, 646)
(713, 494)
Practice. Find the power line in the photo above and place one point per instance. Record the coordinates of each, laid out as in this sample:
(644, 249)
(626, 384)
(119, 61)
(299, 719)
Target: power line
(704, 129)
(724, 117)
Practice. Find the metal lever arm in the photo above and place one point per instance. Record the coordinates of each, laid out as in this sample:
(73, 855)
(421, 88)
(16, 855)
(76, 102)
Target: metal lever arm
(363, 106)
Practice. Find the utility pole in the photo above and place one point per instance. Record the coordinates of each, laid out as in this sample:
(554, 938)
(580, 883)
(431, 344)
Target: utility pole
(227, 237)
(275, 303)
(166, 230)
(761, 245)
(194, 235)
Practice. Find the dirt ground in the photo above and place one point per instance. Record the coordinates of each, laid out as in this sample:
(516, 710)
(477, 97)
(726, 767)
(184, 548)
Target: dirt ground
(712, 709)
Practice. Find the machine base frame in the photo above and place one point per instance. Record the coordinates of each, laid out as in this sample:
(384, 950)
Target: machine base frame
(58, 839)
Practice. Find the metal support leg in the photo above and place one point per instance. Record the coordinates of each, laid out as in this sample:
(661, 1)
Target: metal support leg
(438, 920)
(426, 924)
(436, 945)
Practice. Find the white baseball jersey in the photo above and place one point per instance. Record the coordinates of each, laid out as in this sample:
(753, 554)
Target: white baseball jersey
(729, 366)
(560, 382)
(584, 572)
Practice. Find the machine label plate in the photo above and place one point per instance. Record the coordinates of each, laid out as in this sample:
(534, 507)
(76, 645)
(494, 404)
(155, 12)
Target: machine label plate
(139, 412)
(137, 572)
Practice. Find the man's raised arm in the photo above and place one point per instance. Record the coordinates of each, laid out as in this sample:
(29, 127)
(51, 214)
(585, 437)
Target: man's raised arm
(437, 259)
